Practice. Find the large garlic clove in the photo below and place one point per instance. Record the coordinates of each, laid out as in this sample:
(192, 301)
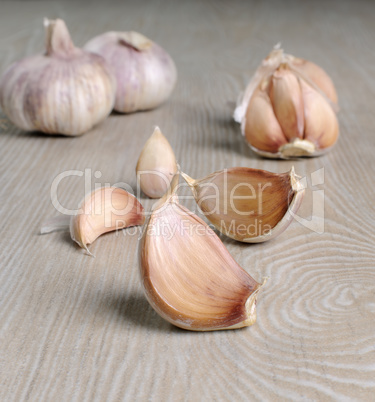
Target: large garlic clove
(248, 205)
(317, 75)
(65, 91)
(188, 275)
(262, 130)
(156, 165)
(105, 210)
(145, 72)
(285, 73)
(321, 126)
(287, 101)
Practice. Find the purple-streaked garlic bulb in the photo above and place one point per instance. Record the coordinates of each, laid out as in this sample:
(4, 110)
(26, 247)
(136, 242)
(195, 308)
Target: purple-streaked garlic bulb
(145, 73)
(66, 90)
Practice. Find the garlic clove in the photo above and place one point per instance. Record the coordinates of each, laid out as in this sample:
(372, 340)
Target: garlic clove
(188, 275)
(248, 205)
(262, 130)
(105, 210)
(64, 91)
(145, 73)
(286, 98)
(321, 126)
(263, 72)
(317, 75)
(156, 165)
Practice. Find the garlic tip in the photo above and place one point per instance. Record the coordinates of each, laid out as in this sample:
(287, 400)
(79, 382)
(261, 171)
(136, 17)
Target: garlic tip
(190, 181)
(88, 251)
(295, 181)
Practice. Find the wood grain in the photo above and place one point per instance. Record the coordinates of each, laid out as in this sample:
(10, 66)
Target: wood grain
(74, 328)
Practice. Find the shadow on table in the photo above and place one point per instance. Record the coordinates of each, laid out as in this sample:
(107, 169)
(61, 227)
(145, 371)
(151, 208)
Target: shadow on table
(135, 309)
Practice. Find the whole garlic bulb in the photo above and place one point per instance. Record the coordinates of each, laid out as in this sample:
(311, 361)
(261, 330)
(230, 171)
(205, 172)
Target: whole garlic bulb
(145, 73)
(64, 91)
(288, 109)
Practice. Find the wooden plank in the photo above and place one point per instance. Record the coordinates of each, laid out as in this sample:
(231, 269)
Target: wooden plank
(79, 329)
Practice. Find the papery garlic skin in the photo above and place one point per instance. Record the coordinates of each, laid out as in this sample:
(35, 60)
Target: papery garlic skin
(288, 109)
(105, 210)
(64, 91)
(248, 205)
(190, 278)
(146, 74)
(156, 165)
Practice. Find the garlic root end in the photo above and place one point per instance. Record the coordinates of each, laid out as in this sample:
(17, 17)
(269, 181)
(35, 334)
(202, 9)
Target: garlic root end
(297, 148)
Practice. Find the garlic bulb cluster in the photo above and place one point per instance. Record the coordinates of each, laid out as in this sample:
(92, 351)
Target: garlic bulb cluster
(156, 165)
(248, 205)
(64, 91)
(104, 210)
(189, 277)
(145, 73)
(288, 109)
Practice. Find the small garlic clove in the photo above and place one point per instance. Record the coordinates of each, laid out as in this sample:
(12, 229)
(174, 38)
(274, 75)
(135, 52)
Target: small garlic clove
(188, 275)
(146, 74)
(261, 128)
(286, 98)
(321, 125)
(248, 205)
(156, 165)
(105, 210)
(317, 75)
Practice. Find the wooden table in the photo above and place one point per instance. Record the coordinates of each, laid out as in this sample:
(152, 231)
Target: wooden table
(75, 328)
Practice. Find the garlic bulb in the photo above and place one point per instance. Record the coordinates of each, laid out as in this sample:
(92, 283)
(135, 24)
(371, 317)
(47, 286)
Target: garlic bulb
(64, 91)
(248, 205)
(288, 109)
(156, 165)
(188, 275)
(104, 210)
(146, 74)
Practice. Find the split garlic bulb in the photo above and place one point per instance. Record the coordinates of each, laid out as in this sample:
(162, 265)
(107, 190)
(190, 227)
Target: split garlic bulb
(288, 109)
(145, 73)
(248, 205)
(189, 277)
(156, 165)
(64, 91)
